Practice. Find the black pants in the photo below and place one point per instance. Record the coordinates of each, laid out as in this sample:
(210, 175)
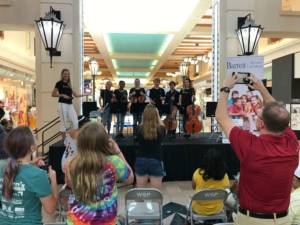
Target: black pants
(137, 119)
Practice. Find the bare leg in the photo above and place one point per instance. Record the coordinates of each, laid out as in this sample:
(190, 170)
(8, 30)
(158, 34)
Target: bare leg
(141, 181)
(156, 182)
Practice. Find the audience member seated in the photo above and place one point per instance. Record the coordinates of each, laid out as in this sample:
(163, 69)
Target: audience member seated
(3, 154)
(149, 164)
(294, 209)
(211, 175)
(93, 174)
(24, 188)
(70, 142)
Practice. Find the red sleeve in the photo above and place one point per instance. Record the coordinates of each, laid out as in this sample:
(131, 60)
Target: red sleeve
(288, 131)
(241, 142)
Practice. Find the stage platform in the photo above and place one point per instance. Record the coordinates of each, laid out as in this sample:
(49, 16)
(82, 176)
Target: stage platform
(181, 155)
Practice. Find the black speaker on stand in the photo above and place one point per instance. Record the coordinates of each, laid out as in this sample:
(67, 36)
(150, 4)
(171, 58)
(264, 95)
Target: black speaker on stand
(88, 107)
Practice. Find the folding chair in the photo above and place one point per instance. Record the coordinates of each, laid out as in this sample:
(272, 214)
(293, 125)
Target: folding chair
(208, 195)
(224, 224)
(143, 206)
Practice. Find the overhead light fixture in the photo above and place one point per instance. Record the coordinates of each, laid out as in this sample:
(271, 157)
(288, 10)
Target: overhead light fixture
(194, 61)
(51, 28)
(94, 67)
(87, 58)
(184, 68)
(248, 34)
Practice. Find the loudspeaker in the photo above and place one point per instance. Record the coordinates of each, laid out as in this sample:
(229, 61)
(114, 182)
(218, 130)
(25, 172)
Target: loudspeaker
(211, 109)
(87, 107)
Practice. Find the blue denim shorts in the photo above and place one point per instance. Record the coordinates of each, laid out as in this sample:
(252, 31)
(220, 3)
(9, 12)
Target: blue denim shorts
(150, 167)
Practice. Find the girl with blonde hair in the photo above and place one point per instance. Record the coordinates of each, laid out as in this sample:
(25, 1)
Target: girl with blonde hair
(150, 135)
(64, 92)
(93, 174)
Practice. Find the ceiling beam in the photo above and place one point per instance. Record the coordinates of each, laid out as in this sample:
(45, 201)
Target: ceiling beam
(129, 69)
(201, 30)
(187, 27)
(102, 47)
(134, 56)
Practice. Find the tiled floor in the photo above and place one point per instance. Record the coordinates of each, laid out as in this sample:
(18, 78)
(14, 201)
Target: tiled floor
(179, 192)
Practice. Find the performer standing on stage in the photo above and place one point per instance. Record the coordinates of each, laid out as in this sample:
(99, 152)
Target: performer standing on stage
(121, 96)
(187, 97)
(157, 95)
(137, 97)
(105, 104)
(63, 90)
(171, 104)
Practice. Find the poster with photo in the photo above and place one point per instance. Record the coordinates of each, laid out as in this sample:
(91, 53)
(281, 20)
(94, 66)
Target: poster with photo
(295, 117)
(245, 104)
(88, 86)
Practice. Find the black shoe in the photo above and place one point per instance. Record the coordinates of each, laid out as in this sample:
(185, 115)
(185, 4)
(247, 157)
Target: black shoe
(121, 135)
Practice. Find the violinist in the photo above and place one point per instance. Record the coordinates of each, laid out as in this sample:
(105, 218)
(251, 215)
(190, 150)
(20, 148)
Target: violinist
(171, 106)
(121, 97)
(157, 95)
(105, 105)
(186, 98)
(137, 96)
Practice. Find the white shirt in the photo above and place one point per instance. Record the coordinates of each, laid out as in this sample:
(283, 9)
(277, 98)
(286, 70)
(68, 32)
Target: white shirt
(294, 209)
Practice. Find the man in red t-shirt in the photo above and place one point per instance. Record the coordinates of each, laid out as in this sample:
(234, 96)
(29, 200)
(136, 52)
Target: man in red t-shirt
(267, 161)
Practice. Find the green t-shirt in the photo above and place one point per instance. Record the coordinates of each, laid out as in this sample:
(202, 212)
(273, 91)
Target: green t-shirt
(30, 184)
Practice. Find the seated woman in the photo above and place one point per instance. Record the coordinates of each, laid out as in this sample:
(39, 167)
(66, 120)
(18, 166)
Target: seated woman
(149, 163)
(211, 175)
(93, 173)
(24, 188)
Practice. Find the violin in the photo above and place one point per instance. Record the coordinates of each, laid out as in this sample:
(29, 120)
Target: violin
(193, 124)
(170, 121)
(139, 99)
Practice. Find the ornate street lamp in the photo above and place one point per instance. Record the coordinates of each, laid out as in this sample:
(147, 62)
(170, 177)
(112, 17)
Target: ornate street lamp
(248, 34)
(51, 28)
(94, 67)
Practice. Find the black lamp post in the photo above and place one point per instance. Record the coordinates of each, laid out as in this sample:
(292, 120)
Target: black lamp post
(94, 67)
(51, 28)
(248, 34)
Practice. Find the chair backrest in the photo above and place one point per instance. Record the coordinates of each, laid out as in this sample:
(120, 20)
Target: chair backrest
(210, 194)
(224, 224)
(138, 194)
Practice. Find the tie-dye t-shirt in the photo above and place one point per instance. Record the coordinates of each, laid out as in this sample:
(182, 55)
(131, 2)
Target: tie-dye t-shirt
(104, 211)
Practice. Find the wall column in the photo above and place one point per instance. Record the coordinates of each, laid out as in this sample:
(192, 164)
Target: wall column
(71, 58)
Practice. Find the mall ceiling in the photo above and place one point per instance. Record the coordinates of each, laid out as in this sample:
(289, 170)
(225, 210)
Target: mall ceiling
(135, 51)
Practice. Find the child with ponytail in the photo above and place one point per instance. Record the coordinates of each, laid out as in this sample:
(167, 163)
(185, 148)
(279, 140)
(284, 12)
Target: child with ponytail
(24, 188)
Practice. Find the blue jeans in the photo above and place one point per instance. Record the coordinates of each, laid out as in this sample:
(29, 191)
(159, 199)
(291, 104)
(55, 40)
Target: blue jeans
(120, 122)
(150, 167)
(106, 119)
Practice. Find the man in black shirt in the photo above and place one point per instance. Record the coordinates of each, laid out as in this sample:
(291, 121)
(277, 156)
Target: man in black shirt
(187, 97)
(137, 97)
(105, 104)
(171, 104)
(172, 96)
(121, 96)
(157, 95)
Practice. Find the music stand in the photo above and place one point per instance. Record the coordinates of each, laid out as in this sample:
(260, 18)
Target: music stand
(211, 112)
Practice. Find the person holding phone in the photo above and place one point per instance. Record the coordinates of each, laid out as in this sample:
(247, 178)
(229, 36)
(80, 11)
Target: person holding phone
(25, 188)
